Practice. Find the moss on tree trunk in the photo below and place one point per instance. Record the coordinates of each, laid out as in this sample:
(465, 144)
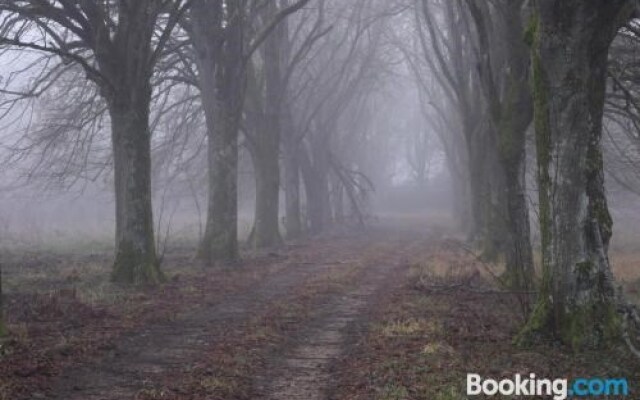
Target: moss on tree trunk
(135, 267)
(577, 299)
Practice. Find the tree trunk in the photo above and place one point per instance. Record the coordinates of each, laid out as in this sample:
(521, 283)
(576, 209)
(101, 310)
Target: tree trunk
(477, 185)
(570, 46)
(461, 202)
(519, 255)
(291, 162)
(221, 75)
(266, 154)
(503, 70)
(460, 205)
(266, 231)
(220, 241)
(127, 65)
(3, 328)
(338, 200)
(487, 191)
(516, 113)
(495, 237)
(316, 191)
(135, 260)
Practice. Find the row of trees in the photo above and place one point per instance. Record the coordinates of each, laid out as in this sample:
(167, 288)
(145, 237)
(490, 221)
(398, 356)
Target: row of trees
(544, 62)
(296, 83)
(114, 84)
(240, 69)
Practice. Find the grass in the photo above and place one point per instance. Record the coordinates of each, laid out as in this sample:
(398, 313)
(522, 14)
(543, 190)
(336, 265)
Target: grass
(409, 327)
(419, 345)
(62, 308)
(50, 292)
(226, 367)
(423, 339)
(626, 269)
(64, 261)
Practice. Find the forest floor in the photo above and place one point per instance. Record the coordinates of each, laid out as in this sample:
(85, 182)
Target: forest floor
(401, 311)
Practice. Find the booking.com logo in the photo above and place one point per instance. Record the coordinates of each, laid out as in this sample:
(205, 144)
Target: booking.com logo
(560, 389)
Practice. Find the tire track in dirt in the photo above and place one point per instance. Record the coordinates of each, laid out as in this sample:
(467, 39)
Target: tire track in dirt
(141, 357)
(304, 371)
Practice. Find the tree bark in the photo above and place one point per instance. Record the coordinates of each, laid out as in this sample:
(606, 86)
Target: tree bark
(487, 191)
(220, 241)
(315, 191)
(577, 303)
(3, 328)
(293, 224)
(128, 97)
(520, 273)
(135, 260)
(221, 75)
(266, 232)
(461, 204)
(503, 69)
(515, 115)
(337, 192)
(266, 152)
(127, 64)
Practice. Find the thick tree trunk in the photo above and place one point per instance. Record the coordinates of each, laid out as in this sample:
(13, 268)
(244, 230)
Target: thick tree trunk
(135, 259)
(515, 119)
(495, 238)
(266, 229)
(293, 225)
(127, 65)
(3, 328)
(337, 193)
(519, 255)
(512, 112)
(221, 75)
(317, 193)
(487, 192)
(266, 154)
(461, 202)
(570, 47)
(220, 241)
(460, 206)
(478, 194)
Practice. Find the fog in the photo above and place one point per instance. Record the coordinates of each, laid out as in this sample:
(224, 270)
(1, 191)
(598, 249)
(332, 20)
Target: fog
(309, 199)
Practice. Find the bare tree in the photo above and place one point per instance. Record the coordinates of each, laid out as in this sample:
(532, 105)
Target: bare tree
(622, 111)
(3, 328)
(117, 45)
(337, 74)
(446, 42)
(435, 106)
(297, 47)
(503, 66)
(263, 129)
(577, 302)
(224, 39)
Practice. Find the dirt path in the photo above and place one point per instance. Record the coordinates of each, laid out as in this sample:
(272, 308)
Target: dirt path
(298, 368)
(161, 348)
(305, 369)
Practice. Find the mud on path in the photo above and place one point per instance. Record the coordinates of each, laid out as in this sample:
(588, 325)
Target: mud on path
(304, 369)
(160, 360)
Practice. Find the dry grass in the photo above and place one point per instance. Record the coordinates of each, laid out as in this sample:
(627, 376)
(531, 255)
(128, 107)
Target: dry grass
(421, 342)
(624, 254)
(626, 269)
